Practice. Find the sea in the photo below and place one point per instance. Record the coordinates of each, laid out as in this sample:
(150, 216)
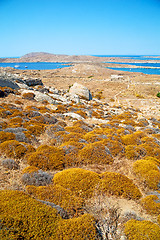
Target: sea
(36, 65)
(150, 68)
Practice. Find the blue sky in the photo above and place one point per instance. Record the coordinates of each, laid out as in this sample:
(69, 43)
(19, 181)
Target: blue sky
(94, 27)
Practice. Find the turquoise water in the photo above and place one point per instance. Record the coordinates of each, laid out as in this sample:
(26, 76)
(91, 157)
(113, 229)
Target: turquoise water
(35, 65)
(136, 57)
(152, 68)
(149, 65)
(151, 71)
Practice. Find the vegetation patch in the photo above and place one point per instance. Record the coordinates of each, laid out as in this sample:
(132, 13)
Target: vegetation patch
(141, 230)
(15, 149)
(47, 158)
(148, 172)
(151, 204)
(81, 182)
(60, 196)
(95, 153)
(119, 185)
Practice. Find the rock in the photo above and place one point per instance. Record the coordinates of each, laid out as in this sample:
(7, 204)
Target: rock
(8, 83)
(39, 97)
(33, 81)
(81, 91)
(22, 86)
(74, 115)
(75, 98)
(2, 94)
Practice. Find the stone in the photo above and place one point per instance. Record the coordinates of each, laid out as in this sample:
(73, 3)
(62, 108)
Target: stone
(39, 97)
(74, 115)
(80, 90)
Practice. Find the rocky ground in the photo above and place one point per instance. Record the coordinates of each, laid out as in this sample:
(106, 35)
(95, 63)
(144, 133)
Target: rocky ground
(92, 126)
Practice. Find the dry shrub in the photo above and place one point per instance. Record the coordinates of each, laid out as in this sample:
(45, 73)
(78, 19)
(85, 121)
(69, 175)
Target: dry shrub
(95, 153)
(28, 96)
(60, 196)
(10, 164)
(75, 129)
(36, 178)
(36, 129)
(25, 218)
(148, 172)
(115, 147)
(47, 158)
(81, 228)
(151, 204)
(132, 139)
(81, 182)
(119, 185)
(6, 136)
(134, 152)
(141, 230)
(15, 149)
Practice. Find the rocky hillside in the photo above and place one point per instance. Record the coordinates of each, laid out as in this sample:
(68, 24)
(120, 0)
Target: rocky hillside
(75, 167)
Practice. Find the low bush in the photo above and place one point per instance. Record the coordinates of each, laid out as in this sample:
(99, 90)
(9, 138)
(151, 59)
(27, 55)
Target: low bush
(25, 217)
(6, 136)
(15, 149)
(82, 182)
(95, 153)
(28, 96)
(36, 178)
(151, 204)
(148, 172)
(134, 152)
(10, 164)
(141, 230)
(119, 185)
(81, 228)
(47, 158)
(60, 196)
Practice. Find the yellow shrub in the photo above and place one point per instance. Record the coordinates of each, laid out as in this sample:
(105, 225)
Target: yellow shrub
(148, 172)
(36, 129)
(95, 153)
(15, 149)
(81, 228)
(6, 136)
(135, 152)
(81, 113)
(115, 147)
(71, 149)
(142, 230)
(28, 96)
(47, 157)
(150, 205)
(75, 129)
(60, 196)
(92, 137)
(30, 169)
(24, 215)
(119, 185)
(81, 182)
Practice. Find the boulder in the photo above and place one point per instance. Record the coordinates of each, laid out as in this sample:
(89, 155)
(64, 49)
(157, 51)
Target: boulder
(8, 83)
(39, 97)
(81, 91)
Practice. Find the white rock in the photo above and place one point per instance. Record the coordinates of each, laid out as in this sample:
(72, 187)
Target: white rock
(74, 115)
(40, 97)
(81, 91)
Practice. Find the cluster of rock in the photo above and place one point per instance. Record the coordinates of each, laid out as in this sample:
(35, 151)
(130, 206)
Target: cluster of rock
(76, 94)
(14, 81)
